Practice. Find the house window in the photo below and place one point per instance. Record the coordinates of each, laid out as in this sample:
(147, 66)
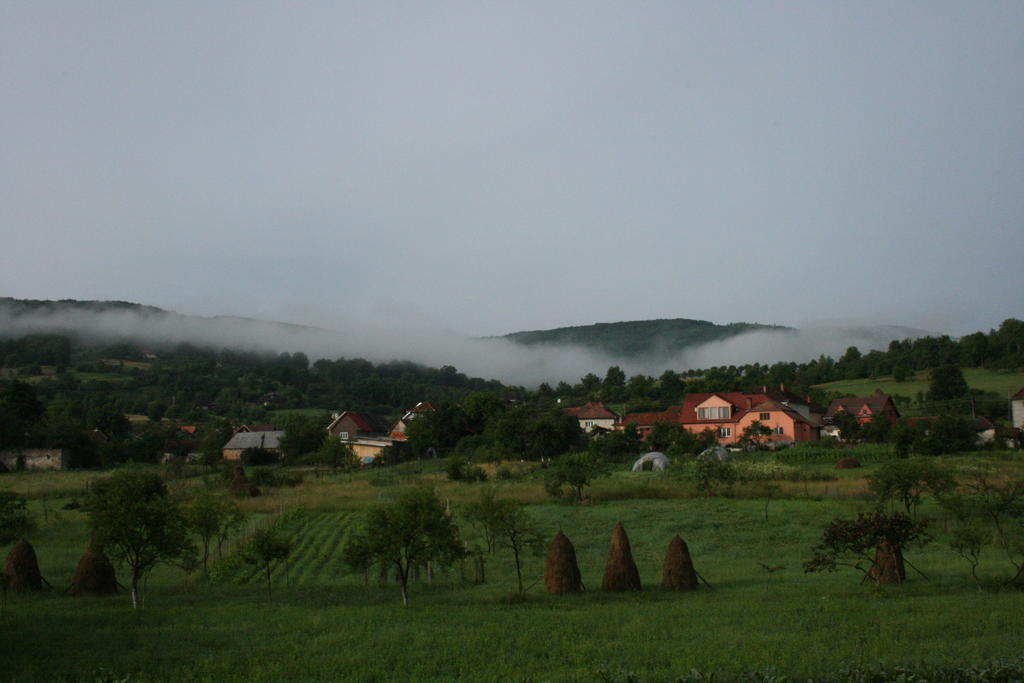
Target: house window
(714, 413)
(765, 417)
(778, 430)
(344, 436)
(725, 431)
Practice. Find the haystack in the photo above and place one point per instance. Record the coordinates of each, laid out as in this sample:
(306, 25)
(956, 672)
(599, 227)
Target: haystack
(620, 573)
(847, 464)
(94, 574)
(677, 572)
(888, 567)
(22, 568)
(561, 573)
(240, 484)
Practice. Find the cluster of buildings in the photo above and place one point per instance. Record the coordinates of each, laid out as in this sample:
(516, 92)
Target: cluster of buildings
(788, 417)
(368, 435)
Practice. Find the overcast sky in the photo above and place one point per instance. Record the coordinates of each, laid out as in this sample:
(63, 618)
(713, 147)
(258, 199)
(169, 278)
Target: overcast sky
(490, 167)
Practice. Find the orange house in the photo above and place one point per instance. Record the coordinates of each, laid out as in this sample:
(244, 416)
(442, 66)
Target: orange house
(789, 417)
(730, 413)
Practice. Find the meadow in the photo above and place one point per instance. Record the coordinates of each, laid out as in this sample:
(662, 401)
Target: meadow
(1001, 382)
(761, 613)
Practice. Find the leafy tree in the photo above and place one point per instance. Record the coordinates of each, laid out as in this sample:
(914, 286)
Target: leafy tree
(211, 446)
(989, 511)
(616, 446)
(15, 520)
(409, 532)
(505, 523)
(137, 523)
(754, 435)
(437, 432)
(947, 383)
(517, 532)
(906, 481)
(573, 472)
(20, 411)
(265, 548)
(853, 543)
(710, 472)
(302, 434)
(946, 434)
(849, 426)
(335, 453)
(211, 516)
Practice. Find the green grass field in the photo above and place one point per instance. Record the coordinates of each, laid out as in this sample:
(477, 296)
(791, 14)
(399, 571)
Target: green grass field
(1003, 383)
(327, 622)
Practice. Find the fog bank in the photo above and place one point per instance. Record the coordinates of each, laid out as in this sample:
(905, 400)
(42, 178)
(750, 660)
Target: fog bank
(488, 358)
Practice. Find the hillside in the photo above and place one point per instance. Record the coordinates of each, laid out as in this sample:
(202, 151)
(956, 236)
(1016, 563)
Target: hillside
(637, 338)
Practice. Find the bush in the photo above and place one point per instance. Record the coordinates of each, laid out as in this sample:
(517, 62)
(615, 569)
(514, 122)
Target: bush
(269, 477)
(814, 453)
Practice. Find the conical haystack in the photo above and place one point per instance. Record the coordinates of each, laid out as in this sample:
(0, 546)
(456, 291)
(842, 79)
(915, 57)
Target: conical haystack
(94, 574)
(240, 484)
(561, 573)
(677, 572)
(888, 566)
(22, 568)
(620, 573)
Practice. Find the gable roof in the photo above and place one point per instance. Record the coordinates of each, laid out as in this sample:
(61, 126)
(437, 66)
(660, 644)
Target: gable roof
(740, 402)
(853, 405)
(364, 422)
(594, 410)
(648, 419)
(771, 405)
(1019, 395)
(243, 440)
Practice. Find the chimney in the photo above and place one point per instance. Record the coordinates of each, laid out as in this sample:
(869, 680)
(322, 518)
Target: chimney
(748, 404)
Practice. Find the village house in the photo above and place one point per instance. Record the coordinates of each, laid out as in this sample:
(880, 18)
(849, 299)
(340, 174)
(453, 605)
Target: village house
(367, 435)
(419, 410)
(1017, 409)
(242, 441)
(594, 416)
(864, 409)
(790, 418)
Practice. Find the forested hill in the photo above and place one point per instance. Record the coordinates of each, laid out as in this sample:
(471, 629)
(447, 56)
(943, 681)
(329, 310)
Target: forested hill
(637, 338)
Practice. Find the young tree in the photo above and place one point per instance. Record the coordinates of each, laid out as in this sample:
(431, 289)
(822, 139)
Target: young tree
(209, 516)
(574, 471)
(409, 532)
(517, 532)
(505, 523)
(138, 524)
(989, 511)
(335, 453)
(264, 549)
(754, 435)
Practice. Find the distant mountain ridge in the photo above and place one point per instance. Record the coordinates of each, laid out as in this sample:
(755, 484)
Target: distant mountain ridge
(636, 338)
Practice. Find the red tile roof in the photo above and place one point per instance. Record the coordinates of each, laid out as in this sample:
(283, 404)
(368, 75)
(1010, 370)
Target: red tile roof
(648, 419)
(595, 410)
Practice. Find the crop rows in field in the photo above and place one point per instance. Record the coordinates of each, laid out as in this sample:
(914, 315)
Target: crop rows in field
(318, 540)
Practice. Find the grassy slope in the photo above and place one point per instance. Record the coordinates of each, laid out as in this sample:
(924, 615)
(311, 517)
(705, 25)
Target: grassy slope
(327, 624)
(1002, 383)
